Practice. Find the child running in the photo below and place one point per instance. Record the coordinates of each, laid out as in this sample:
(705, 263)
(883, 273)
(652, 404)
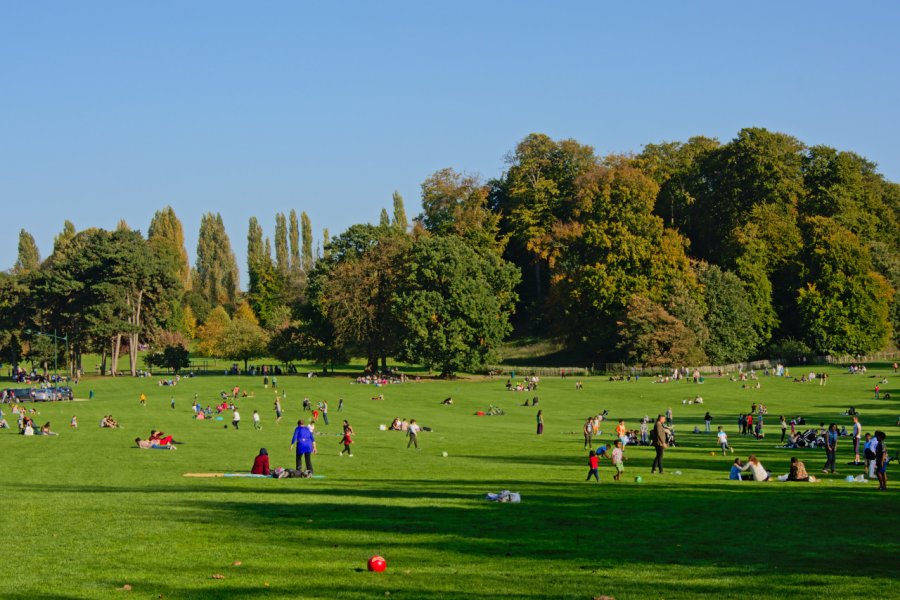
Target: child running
(594, 467)
(723, 441)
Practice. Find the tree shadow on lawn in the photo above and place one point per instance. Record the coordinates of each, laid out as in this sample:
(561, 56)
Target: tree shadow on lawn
(682, 526)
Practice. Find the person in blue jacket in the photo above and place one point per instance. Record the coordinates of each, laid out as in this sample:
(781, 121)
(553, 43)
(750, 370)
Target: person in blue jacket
(306, 445)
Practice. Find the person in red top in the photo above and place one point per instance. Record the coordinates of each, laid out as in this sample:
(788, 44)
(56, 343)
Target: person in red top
(594, 464)
(347, 439)
(261, 463)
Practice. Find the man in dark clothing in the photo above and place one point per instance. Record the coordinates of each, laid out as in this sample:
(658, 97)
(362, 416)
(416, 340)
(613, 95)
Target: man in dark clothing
(306, 445)
(659, 439)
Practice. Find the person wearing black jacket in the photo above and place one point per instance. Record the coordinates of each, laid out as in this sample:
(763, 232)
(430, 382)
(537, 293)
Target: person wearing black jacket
(659, 439)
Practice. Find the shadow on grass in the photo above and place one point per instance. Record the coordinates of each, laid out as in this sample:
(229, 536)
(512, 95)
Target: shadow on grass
(563, 522)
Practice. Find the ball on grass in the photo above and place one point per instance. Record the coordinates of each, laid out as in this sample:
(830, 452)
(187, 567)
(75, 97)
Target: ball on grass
(377, 564)
(445, 454)
(638, 479)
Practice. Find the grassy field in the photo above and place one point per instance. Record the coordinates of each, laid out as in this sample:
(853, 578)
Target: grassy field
(86, 513)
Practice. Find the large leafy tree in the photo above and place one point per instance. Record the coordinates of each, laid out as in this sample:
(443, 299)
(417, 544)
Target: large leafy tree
(243, 338)
(538, 193)
(211, 334)
(457, 204)
(616, 249)
(650, 336)
(844, 306)
(732, 337)
(357, 291)
(453, 304)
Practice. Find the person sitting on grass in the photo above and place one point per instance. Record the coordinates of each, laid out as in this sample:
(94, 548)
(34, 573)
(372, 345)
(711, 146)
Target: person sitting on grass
(261, 463)
(756, 468)
(4, 424)
(45, 430)
(736, 468)
(150, 445)
(798, 470)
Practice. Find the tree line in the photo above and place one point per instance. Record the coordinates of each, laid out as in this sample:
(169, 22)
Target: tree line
(686, 253)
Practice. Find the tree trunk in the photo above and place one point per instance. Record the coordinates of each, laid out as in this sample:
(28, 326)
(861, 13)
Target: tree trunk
(116, 348)
(133, 336)
(103, 361)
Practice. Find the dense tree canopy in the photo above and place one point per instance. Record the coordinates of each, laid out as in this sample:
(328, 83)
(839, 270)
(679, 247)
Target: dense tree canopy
(688, 252)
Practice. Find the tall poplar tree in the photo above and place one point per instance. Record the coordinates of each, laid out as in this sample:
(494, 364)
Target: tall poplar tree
(282, 260)
(64, 236)
(216, 268)
(166, 238)
(294, 235)
(400, 220)
(29, 255)
(306, 237)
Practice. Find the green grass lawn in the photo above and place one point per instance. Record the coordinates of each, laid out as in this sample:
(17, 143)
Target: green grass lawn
(86, 513)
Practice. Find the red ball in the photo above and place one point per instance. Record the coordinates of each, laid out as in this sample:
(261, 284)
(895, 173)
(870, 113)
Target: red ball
(377, 564)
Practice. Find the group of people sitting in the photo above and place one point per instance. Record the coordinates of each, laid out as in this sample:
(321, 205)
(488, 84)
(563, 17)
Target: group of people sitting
(157, 441)
(28, 427)
(107, 422)
(528, 384)
(399, 424)
(757, 472)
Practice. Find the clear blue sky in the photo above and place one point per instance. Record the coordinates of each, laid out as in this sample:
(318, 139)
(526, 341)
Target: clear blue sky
(112, 110)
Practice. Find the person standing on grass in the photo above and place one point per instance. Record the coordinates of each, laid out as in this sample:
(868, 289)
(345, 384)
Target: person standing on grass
(618, 460)
(784, 427)
(325, 411)
(588, 431)
(277, 410)
(256, 424)
(540, 422)
(173, 402)
(869, 445)
(659, 439)
(669, 416)
(857, 435)
(742, 424)
(73, 423)
(412, 431)
(306, 445)
(723, 441)
(236, 418)
(881, 460)
(877, 390)
(593, 467)
(707, 420)
(831, 438)
(340, 405)
(347, 439)
(645, 431)
(143, 399)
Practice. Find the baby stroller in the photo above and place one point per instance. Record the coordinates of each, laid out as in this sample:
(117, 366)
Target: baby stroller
(807, 439)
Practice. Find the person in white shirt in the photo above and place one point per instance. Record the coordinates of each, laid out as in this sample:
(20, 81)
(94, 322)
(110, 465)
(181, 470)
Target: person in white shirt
(236, 419)
(755, 467)
(723, 441)
(413, 432)
(256, 423)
